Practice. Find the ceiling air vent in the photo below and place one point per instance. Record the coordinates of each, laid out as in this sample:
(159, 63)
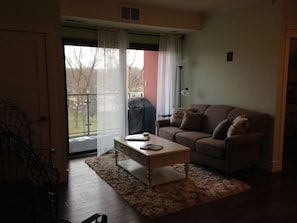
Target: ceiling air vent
(130, 13)
(135, 14)
(125, 13)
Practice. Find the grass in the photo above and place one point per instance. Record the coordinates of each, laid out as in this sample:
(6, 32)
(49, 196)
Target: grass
(80, 127)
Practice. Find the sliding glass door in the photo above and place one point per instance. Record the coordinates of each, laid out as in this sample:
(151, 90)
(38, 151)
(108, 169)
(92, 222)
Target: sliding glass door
(82, 65)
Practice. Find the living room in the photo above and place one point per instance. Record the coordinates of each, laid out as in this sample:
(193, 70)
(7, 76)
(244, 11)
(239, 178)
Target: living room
(257, 35)
(252, 32)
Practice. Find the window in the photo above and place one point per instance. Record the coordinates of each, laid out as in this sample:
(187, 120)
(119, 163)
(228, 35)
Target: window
(81, 63)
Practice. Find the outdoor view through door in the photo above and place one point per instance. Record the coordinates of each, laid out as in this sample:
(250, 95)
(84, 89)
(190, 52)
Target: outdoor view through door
(81, 66)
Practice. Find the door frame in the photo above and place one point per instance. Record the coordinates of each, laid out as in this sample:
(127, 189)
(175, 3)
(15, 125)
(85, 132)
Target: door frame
(280, 112)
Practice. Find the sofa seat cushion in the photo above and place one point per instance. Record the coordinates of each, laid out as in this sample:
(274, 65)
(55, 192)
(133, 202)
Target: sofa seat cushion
(169, 132)
(188, 138)
(210, 146)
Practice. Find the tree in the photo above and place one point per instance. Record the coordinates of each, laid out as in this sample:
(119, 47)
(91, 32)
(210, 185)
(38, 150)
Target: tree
(82, 64)
(135, 73)
(81, 69)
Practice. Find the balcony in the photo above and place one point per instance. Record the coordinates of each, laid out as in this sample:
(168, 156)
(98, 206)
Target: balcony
(82, 121)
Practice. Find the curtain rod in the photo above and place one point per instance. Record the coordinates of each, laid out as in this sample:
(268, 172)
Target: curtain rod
(109, 28)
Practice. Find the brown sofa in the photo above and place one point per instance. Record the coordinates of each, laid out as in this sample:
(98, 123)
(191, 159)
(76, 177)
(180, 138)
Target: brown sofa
(210, 145)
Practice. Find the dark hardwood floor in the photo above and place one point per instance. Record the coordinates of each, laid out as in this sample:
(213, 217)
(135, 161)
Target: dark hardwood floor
(272, 198)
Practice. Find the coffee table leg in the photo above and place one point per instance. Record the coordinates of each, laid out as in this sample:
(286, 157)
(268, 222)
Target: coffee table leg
(187, 170)
(149, 177)
(116, 157)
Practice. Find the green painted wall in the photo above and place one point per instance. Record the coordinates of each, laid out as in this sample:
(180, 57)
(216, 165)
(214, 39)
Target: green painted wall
(253, 34)
(249, 81)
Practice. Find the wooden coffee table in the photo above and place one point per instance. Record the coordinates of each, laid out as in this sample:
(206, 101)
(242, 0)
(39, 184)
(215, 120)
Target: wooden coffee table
(152, 167)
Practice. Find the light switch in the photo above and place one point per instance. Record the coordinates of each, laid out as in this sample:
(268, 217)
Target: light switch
(229, 56)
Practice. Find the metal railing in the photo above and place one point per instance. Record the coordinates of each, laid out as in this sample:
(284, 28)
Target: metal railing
(82, 114)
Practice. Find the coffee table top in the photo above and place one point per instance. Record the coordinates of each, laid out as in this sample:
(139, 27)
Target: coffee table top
(168, 146)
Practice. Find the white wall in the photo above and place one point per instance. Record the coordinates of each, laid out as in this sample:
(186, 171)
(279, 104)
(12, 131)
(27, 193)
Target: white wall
(253, 34)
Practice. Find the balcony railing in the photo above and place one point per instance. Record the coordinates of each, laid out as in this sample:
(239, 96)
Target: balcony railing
(82, 113)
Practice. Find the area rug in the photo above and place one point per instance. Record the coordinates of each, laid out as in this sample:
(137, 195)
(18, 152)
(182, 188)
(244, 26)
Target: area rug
(202, 186)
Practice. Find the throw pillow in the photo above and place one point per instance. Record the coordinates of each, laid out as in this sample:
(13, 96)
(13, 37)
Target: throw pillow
(220, 132)
(191, 121)
(178, 114)
(239, 125)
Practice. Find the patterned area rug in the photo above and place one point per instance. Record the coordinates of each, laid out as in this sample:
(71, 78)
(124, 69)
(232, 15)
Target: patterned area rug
(202, 186)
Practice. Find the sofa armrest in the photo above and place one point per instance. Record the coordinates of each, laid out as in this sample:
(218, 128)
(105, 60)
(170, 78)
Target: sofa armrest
(161, 123)
(242, 151)
(244, 139)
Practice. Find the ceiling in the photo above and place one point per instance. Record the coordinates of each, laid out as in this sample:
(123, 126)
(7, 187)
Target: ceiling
(202, 6)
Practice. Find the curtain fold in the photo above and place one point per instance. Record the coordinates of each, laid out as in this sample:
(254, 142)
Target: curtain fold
(168, 76)
(111, 88)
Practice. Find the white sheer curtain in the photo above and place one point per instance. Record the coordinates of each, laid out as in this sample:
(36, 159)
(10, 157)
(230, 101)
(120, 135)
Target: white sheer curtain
(111, 88)
(168, 78)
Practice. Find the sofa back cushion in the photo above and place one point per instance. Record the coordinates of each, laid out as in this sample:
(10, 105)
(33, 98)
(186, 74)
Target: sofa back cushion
(213, 115)
(200, 108)
(257, 120)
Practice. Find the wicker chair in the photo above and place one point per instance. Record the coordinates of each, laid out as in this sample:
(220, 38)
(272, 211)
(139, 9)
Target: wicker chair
(27, 179)
(25, 187)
